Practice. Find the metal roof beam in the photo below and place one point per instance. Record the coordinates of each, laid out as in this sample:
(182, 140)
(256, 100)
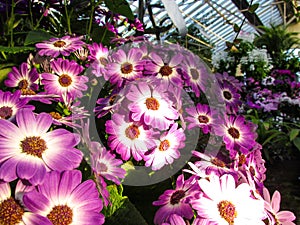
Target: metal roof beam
(243, 5)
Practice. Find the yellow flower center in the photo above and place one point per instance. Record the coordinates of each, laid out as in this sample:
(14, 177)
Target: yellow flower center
(61, 215)
(165, 70)
(5, 112)
(126, 68)
(132, 132)
(33, 146)
(59, 44)
(152, 103)
(227, 211)
(164, 145)
(10, 212)
(234, 132)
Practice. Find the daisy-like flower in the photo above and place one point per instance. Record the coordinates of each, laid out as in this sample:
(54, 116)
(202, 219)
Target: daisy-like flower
(151, 105)
(105, 164)
(66, 80)
(63, 199)
(99, 58)
(201, 116)
(228, 79)
(56, 46)
(231, 98)
(208, 165)
(12, 212)
(10, 104)
(28, 150)
(196, 73)
(238, 135)
(128, 138)
(253, 165)
(175, 201)
(224, 203)
(124, 66)
(174, 219)
(165, 69)
(167, 148)
(275, 216)
(23, 78)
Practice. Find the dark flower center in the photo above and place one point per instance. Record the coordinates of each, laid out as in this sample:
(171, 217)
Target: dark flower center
(103, 61)
(234, 132)
(61, 215)
(227, 95)
(203, 119)
(218, 162)
(164, 145)
(176, 196)
(165, 70)
(112, 99)
(252, 170)
(132, 132)
(102, 167)
(5, 112)
(59, 44)
(242, 159)
(152, 103)
(195, 73)
(23, 84)
(64, 80)
(55, 115)
(227, 211)
(126, 68)
(33, 146)
(10, 212)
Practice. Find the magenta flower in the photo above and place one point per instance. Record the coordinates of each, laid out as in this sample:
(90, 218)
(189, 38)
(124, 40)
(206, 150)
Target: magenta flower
(105, 164)
(124, 66)
(167, 148)
(66, 81)
(175, 201)
(63, 199)
(222, 202)
(23, 78)
(128, 138)
(273, 206)
(56, 46)
(231, 98)
(201, 116)
(165, 69)
(197, 73)
(28, 150)
(174, 219)
(99, 58)
(151, 105)
(228, 79)
(13, 212)
(237, 134)
(10, 104)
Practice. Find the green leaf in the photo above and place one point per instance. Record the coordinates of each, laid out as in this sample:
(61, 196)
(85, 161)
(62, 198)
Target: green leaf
(294, 133)
(236, 27)
(102, 35)
(36, 36)
(121, 7)
(253, 8)
(126, 214)
(296, 142)
(17, 49)
(3, 73)
(115, 198)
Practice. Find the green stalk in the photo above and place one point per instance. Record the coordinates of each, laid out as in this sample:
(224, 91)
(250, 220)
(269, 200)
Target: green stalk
(68, 18)
(91, 19)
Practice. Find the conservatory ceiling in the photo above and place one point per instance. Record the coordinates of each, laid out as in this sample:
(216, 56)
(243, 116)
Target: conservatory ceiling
(214, 19)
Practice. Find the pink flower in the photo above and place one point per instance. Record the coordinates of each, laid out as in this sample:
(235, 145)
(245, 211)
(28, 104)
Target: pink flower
(273, 205)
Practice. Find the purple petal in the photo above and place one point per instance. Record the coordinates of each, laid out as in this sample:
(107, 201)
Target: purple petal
(26, 120)
(35, 219)
(29, 167)
(69, 181)
(8, 169)
(36, 202)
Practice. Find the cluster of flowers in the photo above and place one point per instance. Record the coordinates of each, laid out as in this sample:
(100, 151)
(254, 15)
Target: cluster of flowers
(147, 119)
(274, 92)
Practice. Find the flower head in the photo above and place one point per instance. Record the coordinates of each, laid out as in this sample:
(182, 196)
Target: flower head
(63, 199)
(10, 104)
(23, 78)
(222, 202)
(167, 148)
(56, 46)
(28, 150)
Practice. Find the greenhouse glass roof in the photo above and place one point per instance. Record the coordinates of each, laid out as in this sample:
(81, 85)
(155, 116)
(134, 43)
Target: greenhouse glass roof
(215, 19)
